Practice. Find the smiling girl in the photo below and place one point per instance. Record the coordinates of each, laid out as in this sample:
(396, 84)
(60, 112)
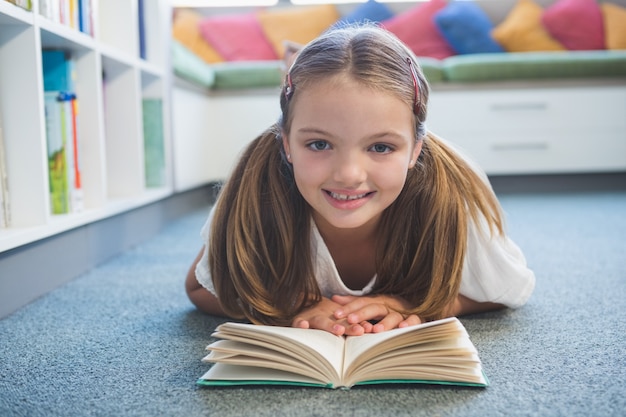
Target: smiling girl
(348, 215)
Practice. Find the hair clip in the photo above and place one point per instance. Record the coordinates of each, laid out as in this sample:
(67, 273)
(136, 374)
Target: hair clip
(288, 86)
(416, 85)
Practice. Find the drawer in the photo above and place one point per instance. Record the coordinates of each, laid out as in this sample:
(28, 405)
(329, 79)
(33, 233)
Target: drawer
(546, 151)
(535, 108)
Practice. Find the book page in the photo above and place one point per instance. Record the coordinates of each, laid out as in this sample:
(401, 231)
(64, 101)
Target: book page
(241, 353)
(224, 374)
(318, 345)
(359, 345)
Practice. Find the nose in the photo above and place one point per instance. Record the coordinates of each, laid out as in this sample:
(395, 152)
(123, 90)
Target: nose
(350, 169)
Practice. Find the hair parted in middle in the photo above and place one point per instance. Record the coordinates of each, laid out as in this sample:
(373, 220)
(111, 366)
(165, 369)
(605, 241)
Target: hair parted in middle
(260, 244)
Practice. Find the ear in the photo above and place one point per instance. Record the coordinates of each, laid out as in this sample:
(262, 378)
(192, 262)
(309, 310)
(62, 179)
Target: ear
(416, 153)
(286, 147)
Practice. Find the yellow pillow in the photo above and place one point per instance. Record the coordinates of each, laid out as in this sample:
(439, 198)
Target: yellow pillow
(185, 29)
(296, 24)
(522, 30)
(614, 26)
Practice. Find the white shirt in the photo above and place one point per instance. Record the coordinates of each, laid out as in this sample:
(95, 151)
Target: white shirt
(494, 268)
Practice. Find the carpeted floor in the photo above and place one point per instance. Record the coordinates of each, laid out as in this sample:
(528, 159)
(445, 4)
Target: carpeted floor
(123, 339)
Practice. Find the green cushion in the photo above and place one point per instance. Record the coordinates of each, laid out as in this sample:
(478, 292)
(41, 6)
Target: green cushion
(535, 65)
(432, 69)
(247, 74)
(190, 67)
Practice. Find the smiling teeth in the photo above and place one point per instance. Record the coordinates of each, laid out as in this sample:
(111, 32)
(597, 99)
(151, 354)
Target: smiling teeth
(346, 197)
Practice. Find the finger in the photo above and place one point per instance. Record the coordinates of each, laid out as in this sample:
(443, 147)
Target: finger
(355, 330)
(390, 321)
(367, 326)
(327, 324)
(346, 302)
(368, 312)
(300, 323)
(412, 320)
(359, 309)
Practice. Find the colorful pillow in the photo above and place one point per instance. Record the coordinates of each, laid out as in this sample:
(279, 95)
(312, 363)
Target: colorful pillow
(467, 28)
(577, 24)
(416, 28)
(186, 30)
(614, 26)
(296, 24)
(237, 37)
(522, 30)
(370, 11)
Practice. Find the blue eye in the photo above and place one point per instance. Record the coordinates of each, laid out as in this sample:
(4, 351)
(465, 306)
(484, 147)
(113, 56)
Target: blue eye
(319, 145)
(381, 148)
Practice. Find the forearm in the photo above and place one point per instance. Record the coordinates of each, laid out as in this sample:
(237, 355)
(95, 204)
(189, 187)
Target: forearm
(464, 306)
(200, 296)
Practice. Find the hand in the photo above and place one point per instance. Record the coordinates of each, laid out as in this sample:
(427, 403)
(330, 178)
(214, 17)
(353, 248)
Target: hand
(386, 309)
(321, 316)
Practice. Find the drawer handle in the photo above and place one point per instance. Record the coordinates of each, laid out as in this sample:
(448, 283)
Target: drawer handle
(519, 106)
(520, 146)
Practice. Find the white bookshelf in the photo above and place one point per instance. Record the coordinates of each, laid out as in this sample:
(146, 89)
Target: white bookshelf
(109, 117)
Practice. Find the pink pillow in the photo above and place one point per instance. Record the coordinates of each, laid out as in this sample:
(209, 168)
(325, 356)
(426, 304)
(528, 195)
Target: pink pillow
(577, 24)
(416, 28)
(237, 37)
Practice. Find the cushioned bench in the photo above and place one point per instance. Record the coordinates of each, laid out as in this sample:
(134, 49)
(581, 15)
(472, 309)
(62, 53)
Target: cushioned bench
(516, 112)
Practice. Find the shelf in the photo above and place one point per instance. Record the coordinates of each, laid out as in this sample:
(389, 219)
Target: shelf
(11, 14)
(110, 82)
(12, 237)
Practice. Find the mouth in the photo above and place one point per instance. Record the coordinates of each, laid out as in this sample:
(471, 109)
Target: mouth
(347, 197)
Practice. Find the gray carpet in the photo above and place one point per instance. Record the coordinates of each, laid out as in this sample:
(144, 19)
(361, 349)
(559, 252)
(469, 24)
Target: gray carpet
(123, 339)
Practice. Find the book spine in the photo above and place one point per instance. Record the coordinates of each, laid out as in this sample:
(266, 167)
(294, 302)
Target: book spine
(70, 140)
(76, 194)
(87, 16)
(45, 9)
(57, 165)
(74, 14)
(142, 29)
(24, 4)
(154, 152)
(50, 10)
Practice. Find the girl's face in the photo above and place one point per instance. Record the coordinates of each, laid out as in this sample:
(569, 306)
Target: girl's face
(351, 148)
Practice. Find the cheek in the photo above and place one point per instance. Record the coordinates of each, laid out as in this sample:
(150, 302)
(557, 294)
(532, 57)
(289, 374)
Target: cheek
(306, 173)
(392, 178)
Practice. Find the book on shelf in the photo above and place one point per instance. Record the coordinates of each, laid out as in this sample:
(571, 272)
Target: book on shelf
(154, 151)
(74, 13)
(142, 29)
(437, 352)
(57, 160)
(24, 4)
(5, 208)
(62, 133)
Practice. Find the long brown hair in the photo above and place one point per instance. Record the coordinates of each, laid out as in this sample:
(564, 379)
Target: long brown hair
(260, 244)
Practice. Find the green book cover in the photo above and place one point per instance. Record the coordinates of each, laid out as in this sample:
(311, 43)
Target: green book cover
(154, 148)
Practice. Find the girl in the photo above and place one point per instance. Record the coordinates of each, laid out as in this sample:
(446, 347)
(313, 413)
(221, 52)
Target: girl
(348, 215)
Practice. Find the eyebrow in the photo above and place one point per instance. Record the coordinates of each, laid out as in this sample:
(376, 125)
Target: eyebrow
(323, 132)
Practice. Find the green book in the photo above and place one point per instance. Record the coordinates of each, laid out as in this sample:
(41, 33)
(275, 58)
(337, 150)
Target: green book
(438, 352)
(59, 186)
(154, 151)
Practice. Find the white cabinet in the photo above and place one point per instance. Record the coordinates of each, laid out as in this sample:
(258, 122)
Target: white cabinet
(112, 80)
(535, 130)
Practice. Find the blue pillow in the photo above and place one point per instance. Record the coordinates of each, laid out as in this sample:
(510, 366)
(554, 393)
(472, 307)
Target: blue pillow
(467, 28)
(370, 11)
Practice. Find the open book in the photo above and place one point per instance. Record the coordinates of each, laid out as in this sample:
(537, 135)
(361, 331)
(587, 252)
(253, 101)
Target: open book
(438, 352)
